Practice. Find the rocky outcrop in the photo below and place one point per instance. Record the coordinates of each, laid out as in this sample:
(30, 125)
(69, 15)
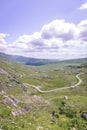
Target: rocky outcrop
(39, 100)
(21, 111)
(17, 82)
(10, 101)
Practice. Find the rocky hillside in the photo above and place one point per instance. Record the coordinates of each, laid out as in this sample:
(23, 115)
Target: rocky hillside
(23, 107)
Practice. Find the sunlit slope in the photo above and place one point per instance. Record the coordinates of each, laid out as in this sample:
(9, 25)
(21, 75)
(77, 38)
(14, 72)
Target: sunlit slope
(22, 107)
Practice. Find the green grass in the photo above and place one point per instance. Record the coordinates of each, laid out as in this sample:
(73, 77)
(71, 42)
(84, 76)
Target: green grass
(47, 77)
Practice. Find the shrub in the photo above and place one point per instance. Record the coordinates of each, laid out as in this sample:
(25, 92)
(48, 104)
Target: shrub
(68, 111)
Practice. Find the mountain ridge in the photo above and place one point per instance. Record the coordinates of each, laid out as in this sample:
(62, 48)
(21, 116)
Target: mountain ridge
(38, 62)
(27, 60)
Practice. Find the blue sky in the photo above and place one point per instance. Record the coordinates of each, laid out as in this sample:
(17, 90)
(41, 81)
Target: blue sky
(44, 28)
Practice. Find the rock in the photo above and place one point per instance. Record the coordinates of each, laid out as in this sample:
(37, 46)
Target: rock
(39, 128)
(10, 85)
(23, 87)
(21, 111)
(64, 103)
(15, 113)
(84, 115)
(27, 108)
(11, 101)
(66, 97)
(37, 99)
(74, 129)
(15, 100)
(3, 93)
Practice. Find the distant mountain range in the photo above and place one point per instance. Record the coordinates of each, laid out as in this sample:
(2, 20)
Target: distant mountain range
(39, 62)
(27, 60)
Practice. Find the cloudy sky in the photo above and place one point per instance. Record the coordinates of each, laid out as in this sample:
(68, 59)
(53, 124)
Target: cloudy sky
(44, 28)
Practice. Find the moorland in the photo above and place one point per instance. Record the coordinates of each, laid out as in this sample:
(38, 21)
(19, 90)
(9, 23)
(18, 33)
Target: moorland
(24, 107)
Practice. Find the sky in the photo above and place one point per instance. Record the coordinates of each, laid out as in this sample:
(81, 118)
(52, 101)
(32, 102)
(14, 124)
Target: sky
(49, 29)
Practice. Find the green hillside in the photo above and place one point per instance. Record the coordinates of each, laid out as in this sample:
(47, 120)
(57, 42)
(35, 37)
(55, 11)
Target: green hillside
(23, 107)
(27, 60)
(74, 63)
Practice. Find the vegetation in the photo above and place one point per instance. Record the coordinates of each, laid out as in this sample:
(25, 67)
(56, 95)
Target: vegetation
(32, 110)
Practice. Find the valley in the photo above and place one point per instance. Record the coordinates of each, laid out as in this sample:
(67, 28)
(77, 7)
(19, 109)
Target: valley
(47, 97)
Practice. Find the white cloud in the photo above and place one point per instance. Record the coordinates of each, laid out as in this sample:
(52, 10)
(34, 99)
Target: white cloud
(83, 30)
(2, 38)
(3, 43)
(58, 29)
(83, 6)
(58, 39)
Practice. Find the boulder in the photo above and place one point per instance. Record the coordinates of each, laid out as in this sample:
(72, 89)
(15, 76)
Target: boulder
(66, 97)
(64, 103)
(84, 115)
(74, 129)
(39, 128)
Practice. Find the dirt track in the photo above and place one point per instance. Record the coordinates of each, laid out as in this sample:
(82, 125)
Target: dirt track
(41, 91)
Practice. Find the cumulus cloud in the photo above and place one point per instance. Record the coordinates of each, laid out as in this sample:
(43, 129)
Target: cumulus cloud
(83, 6)
(3, 43)
(83, 30)
(58, 29)
(2, 38)
(58, 39)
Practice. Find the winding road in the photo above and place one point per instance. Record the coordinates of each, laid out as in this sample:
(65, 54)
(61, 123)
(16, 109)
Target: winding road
(41, 91)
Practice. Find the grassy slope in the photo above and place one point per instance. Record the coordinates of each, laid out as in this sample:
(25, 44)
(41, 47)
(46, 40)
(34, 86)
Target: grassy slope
(47, 77)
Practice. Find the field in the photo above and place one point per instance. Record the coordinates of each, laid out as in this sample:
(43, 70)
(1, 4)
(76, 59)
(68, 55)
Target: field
(22, 107)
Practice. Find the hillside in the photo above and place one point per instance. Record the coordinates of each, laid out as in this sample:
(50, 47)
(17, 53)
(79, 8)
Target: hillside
(27, 60)
(23, 107)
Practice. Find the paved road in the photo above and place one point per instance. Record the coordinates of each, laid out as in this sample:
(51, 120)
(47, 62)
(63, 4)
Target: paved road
(41, 91)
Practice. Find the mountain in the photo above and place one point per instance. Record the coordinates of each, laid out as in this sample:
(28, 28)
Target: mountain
(40, 62)
(34, 61)
(27, 60)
